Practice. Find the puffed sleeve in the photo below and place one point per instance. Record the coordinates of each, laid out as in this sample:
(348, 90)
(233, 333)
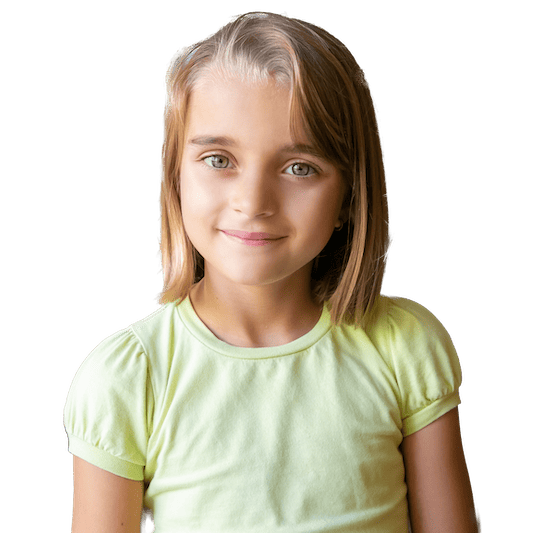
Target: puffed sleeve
(108, 410)
(424, 362)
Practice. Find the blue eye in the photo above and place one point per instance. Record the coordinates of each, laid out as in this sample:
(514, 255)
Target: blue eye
(216, 161)
(301, 170)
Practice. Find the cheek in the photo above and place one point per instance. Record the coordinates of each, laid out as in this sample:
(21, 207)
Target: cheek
(190, 209)
(321, 210)
(201, 208)
(194, 197)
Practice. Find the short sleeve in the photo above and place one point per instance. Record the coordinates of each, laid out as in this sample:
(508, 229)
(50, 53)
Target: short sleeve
(109, 405)
(424, 362)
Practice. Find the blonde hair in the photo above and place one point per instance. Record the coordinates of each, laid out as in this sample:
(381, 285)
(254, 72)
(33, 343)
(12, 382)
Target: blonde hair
(330, 99)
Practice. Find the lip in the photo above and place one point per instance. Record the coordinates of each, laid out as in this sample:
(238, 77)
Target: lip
(251, 238)
(255, 236)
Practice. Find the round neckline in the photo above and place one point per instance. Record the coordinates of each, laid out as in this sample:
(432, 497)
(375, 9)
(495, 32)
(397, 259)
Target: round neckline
(202, 333)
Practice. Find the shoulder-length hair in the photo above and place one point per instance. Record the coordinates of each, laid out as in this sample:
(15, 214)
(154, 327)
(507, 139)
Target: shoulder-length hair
(331, 101)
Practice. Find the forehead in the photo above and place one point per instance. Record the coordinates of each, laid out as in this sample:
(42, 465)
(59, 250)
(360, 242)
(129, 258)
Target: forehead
(215, 78)
(222, 106)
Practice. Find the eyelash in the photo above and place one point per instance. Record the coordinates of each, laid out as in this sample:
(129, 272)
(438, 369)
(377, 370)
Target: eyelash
(311, 169)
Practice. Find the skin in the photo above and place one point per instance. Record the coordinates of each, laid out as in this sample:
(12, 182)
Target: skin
(104, 502)
(237, 173)
(439, 492)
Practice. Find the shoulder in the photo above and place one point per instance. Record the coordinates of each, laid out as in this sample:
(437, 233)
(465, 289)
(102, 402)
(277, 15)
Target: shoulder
(134, 340)
(121, 357)
(421, 355)
(402, 311)
(402, 324)
(109, 406)
(114, 370)
(140, 354)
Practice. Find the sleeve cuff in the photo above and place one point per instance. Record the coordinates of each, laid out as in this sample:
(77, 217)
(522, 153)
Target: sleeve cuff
(429, 414)
(105, 460)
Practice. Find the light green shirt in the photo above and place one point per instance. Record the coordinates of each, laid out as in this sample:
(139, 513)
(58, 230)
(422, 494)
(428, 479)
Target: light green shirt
(296, 438)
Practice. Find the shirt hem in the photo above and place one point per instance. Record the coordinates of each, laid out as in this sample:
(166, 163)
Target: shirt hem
(430, 413)
(105, 460)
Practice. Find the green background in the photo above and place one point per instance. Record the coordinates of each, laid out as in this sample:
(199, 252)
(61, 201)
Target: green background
(81, 105)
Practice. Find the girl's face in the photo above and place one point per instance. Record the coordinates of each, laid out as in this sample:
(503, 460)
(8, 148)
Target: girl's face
(257, 204)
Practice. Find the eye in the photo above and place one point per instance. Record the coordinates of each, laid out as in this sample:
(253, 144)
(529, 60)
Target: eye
(216, 161)
(301, 170)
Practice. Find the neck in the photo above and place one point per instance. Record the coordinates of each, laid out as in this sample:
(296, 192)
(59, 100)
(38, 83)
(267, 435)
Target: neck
(256, 316)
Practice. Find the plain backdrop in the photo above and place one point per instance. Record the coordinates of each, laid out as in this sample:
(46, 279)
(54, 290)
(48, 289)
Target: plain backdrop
(82, 98)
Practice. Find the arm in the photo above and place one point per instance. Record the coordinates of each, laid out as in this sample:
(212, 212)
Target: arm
(438, 485)
(104, 502)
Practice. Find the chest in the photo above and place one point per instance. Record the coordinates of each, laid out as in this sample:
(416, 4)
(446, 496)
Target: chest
(285, 437)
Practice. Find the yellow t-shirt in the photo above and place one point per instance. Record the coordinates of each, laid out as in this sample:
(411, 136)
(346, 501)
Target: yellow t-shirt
(296, 438)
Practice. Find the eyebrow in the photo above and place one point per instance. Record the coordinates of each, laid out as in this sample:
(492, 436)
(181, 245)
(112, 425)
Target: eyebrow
(207, 140)
(297, 148)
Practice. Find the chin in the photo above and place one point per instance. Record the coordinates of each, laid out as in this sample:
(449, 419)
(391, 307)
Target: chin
(253, 277)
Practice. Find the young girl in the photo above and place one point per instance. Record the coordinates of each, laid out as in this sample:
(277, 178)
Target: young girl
(275, 390)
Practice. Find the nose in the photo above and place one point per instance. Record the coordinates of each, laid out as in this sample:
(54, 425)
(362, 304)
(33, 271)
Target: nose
(254, 193)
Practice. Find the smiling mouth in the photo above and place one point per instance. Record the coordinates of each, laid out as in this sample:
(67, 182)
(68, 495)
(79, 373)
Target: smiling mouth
(253, 238)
